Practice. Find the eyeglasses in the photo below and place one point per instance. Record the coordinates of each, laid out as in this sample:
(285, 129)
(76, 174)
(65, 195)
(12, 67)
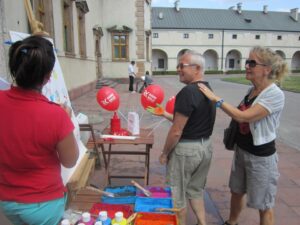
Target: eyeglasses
(181, 65)
(252, 63)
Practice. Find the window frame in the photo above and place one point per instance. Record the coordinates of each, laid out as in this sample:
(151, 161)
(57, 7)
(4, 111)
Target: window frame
(81, 33)
(118, 59)
(43, 11)
(68, 33)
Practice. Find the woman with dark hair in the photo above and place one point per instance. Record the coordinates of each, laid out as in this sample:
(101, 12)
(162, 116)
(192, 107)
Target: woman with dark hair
(255, 165)
(36, 138)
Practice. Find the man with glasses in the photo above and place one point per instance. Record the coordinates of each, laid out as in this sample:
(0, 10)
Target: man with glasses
(188, 148)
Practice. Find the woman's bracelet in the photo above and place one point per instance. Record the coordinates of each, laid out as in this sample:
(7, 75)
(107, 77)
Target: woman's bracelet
(219, 103)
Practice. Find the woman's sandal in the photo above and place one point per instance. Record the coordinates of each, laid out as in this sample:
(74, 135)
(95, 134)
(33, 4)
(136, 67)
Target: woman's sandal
(226, 223)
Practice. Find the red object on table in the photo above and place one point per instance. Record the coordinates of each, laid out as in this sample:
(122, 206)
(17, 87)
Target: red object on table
(115, 124)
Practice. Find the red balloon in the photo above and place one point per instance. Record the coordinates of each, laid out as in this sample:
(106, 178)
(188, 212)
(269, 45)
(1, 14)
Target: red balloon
(108, 98)
(170, 105)
(152, 95)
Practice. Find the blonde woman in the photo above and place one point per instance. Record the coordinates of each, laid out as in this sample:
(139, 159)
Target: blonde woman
(254, 170)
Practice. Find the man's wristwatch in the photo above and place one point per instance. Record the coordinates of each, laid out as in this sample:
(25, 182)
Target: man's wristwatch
(219, 103)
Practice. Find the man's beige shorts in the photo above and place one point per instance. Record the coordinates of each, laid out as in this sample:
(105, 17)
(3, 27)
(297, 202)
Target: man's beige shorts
(187, 170)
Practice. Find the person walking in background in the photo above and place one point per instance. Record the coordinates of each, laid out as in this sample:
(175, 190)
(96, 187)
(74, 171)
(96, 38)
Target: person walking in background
(147, 80)
(254, 171)
(132, 75)
(36, 137)
(188, 147)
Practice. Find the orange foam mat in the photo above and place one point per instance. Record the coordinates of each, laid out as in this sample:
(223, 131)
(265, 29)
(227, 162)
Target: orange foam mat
(145, 218)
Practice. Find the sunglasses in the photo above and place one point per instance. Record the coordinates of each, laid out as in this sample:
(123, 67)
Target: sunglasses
(252, 63)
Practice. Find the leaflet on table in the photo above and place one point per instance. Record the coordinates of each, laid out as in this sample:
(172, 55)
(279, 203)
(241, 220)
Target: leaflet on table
(118, 137)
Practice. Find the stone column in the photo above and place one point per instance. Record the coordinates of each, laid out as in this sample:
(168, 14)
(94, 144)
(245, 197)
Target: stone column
(140, 34)
(3, 36)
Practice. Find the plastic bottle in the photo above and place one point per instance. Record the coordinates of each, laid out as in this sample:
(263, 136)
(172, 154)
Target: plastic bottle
(86, 219)
(119, 219)
(115, 124)
(65, 222)
(98, 223)
(104, 218)
(71, 216)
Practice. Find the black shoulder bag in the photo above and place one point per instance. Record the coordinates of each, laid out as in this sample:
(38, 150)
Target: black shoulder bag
(230, 132)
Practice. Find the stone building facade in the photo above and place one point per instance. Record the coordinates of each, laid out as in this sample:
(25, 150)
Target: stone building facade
(224, 37)
(94, 39)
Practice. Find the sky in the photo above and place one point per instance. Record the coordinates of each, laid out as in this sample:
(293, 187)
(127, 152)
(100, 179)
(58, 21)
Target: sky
(273, 5)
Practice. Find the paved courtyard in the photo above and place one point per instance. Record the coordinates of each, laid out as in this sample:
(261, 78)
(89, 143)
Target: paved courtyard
(217, 196)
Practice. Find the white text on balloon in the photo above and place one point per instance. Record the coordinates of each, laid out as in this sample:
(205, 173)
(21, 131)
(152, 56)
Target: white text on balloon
(149, 96)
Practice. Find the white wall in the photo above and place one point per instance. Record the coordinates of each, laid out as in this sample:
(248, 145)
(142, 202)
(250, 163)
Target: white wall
(77, 71)
(126, 17)
(122, 12)
(172, 42)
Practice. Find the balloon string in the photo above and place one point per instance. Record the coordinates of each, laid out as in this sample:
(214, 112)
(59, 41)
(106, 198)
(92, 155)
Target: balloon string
(153, 124)
(141, 116)
(156, 126)
(123, 115)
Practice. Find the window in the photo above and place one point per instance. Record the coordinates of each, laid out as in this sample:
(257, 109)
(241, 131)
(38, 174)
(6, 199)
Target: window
(155, 35)
(82, 9)
(257, 37)
(161, 63)
(68, 27)
(234, 36)
(43, 13)
(120, 46)
(279, 37)
(147, 49)
(186, 35)
(231, 63)
(210, 36)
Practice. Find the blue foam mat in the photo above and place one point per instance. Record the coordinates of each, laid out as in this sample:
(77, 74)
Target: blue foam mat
(143, 204)
(130, 199)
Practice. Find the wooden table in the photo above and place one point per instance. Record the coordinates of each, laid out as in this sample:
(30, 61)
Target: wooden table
(145, 138)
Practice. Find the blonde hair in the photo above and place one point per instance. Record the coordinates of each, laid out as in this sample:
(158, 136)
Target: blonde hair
(270, 58)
